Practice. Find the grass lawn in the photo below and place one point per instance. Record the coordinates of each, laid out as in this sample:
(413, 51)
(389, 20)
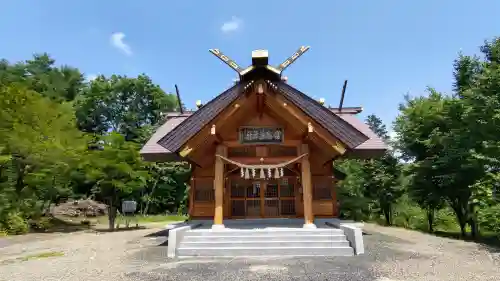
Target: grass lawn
(70, 224)
(146, 219)
(42, 255)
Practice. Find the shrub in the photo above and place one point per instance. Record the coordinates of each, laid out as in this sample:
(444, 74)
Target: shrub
(15, 224)
(410, 216)
(489, 219)
(41, 224)
(446, 220)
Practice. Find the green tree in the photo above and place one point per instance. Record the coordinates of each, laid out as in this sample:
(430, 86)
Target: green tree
(418, 127)
(40, 144)
(382, 176)
(121, 104)
(477, 89)
(350, 192)
(116, 172)
(166, 188)
(42, 76)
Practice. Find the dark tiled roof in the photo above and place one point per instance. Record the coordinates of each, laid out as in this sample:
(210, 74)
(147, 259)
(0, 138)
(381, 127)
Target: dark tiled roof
(177, 137)
(335, 125)
(179, 128)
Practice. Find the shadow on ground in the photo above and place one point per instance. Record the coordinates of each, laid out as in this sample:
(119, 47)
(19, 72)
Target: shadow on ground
(63, 226)
(59, 225)
(488, 242)
(161, 233)
(121, 229)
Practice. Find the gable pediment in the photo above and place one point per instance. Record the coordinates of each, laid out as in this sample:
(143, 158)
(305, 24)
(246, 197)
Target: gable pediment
(333, 126)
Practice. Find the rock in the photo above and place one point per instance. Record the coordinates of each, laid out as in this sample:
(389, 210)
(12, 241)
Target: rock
(78, 208)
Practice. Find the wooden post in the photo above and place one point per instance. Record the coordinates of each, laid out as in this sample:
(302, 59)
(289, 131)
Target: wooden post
(307, 187)
(219, 188)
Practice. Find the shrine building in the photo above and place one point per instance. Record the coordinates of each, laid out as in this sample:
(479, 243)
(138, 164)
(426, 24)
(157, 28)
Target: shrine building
(263, 148)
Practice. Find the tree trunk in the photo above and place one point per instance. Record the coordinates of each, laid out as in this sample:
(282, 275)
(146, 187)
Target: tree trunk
(462, 222)
(473, 221)
(387, 214)
(473, 227)
(149, 198)
(112, 211)
(462, 229)
(430, 219)
(461, 215)
(20, 176)
(111, 217)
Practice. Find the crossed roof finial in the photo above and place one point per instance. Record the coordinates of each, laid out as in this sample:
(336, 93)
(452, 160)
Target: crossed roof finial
(261, 55)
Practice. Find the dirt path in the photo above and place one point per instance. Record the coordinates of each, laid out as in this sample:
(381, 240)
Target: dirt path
(392, 254)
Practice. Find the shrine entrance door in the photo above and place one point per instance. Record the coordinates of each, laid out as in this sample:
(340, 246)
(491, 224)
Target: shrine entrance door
(262, 198)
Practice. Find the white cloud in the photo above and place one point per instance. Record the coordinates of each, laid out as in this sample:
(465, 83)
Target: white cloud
(232, 25)
(393, 135)
(118, 42)
(90, 77)
(393, 138)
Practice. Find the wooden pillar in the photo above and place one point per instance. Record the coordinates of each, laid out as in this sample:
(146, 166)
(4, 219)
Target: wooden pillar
(306, 181)
(219, 188)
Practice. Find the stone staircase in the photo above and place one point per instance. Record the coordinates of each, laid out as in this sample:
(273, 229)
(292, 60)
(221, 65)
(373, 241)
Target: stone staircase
(264, 242)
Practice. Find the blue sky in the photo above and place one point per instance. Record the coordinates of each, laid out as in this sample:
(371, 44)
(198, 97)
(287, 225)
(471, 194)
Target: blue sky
(385, 48)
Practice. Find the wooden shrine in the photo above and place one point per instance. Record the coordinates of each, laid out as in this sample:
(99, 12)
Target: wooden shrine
(262, 148)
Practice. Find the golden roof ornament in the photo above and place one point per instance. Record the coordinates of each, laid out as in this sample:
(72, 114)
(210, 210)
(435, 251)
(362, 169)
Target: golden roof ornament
(199, 104)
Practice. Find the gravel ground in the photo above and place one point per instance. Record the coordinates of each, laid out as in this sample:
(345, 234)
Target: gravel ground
(392, 255)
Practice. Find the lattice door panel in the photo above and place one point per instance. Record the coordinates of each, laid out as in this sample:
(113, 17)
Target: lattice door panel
(271, 207)
(238, 208)
(287, 207)
(253, 208)
(287, 189)
(271, 190)
(253, 190)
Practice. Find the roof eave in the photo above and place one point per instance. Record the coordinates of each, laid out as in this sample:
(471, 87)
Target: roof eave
(161, 157)
(181, 134)
(365, 153)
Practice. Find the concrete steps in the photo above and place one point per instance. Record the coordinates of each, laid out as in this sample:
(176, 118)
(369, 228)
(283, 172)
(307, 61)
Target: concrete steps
(265, 232)
(268, 252)
(264, 242)
(270, 237)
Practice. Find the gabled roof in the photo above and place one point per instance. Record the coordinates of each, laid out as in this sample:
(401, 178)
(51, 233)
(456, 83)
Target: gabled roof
(335, 125)
(152, 151)
(373, 146)
(178, 136)
(179, 128)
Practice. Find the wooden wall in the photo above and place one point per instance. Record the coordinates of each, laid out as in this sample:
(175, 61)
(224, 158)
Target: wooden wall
(324, 193)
